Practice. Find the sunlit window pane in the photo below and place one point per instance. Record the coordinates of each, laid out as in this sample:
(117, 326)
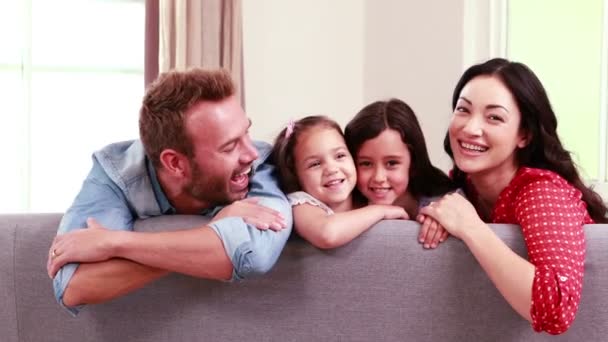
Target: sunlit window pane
(74, 114)
(11, 33)
(13, 139)
(88, 33)
(561, 42)
(80, 90)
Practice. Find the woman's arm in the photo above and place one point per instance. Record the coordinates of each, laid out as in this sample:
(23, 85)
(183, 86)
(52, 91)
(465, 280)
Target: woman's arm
(546, 289)
(511, 274)
(551, 215)
(331, 231)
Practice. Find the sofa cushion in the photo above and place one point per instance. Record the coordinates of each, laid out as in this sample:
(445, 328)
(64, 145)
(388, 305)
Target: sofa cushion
(381, 286)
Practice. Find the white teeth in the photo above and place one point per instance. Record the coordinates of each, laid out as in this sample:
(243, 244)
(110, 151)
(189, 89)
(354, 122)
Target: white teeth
(334, 182)
(380, 190)
(246, 172)
(473, 147)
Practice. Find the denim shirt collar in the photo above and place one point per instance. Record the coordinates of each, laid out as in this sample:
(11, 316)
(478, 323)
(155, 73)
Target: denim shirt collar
(165, 207)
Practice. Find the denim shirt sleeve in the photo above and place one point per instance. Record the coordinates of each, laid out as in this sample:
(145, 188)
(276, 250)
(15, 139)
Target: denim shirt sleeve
(254, 252)
(101, 199)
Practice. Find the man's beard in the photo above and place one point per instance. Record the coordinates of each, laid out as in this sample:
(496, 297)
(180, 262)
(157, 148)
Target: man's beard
(211, 190)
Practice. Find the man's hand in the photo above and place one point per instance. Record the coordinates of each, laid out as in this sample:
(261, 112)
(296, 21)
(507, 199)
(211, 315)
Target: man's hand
(253, 213)
(92, 244)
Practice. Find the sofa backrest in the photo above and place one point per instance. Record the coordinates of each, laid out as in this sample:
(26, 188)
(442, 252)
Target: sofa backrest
(382, 286)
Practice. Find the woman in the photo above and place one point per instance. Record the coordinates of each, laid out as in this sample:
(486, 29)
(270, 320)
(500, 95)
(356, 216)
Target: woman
(510, 162)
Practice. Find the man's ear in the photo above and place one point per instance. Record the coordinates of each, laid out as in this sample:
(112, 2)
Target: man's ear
(174, 162)
(524, 138)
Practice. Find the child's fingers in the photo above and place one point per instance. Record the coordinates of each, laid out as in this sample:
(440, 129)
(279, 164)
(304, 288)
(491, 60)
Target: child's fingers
(437, 231)
(424, 230)
(259, 224)
(444, 236)
(429, 241)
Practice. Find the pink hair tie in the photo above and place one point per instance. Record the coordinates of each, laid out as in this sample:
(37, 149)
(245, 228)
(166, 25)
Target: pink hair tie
(289, 129)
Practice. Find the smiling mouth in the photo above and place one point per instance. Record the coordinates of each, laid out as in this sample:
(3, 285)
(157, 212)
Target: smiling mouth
(245, 172)
(380, 191)
(472, 147)
(333, 183)
(241, 179)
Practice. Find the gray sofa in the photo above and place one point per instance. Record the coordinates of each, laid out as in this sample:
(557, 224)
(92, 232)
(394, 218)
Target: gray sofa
(381, 287)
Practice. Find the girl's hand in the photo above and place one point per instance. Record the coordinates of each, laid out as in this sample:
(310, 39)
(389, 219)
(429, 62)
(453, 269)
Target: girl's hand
(393, 212)
(253, 213)
(454, 213)
(431, 232)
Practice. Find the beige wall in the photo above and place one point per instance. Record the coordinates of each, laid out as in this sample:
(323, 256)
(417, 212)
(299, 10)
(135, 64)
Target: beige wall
(333, 57)
(413, 51)
(302, 57)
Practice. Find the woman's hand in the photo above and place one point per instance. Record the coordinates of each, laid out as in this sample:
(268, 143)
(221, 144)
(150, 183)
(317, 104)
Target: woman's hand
(455, 213)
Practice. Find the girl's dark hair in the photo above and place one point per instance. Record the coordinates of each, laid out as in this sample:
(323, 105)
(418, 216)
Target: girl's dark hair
(424, 178)
(544, 149)
(282, 154)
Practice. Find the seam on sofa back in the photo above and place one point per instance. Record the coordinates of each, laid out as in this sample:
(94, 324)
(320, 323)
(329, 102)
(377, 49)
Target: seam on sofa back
(17, 327)
(8, 319)
(15, 281)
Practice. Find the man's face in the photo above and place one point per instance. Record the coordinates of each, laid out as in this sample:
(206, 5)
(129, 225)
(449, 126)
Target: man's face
(223, 151)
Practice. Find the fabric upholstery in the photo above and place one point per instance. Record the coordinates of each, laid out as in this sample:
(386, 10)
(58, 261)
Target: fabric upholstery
(382, 286)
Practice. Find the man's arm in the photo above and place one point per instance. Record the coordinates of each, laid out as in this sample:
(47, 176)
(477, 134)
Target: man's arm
(252, 251)
(102, 281)
(207, 252)
(107, 256)
(76, 284)
(142, 257)
(197, 251)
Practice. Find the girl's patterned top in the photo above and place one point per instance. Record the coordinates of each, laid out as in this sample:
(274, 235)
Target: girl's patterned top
(301, 197)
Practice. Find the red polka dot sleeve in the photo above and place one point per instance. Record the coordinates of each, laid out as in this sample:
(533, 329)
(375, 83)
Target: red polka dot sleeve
(551, 215)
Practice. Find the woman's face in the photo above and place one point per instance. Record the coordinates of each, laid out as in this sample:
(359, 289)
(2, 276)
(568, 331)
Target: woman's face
(484, 131)
(383, 166)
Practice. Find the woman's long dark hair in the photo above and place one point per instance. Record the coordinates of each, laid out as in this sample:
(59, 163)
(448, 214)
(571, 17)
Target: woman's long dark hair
(424, 178)
(544, 150)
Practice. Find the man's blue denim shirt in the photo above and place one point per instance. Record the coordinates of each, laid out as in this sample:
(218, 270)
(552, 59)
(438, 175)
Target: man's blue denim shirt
(122, 187)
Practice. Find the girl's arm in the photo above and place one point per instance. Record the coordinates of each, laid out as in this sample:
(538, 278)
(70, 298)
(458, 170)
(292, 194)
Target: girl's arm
(331, 231)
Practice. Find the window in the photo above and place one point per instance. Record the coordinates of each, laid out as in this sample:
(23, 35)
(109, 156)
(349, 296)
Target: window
(568, 60)
(566, 44)
(71, 75)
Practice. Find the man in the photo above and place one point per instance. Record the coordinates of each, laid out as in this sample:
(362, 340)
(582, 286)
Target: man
(195, 156)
